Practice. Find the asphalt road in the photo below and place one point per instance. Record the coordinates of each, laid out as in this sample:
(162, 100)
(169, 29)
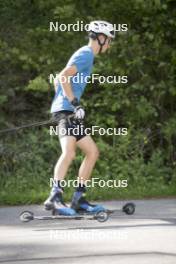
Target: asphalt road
(148, 236)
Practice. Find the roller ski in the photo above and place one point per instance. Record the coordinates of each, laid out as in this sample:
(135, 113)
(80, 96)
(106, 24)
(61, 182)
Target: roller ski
(80, 209)
(101, 216)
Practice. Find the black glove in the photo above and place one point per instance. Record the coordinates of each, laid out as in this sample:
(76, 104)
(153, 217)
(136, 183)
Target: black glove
(79, 111)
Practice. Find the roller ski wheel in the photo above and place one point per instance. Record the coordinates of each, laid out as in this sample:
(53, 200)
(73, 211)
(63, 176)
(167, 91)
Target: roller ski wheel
(129, 208)
(101, 216)
(26, 216)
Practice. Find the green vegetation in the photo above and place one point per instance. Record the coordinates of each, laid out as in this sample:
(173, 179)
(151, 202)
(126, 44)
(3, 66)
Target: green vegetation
(146, 53)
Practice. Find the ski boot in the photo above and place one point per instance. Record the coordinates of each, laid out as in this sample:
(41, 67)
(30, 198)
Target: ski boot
(55, 202)
(81, 205)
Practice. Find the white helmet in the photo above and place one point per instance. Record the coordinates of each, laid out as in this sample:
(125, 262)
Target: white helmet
(102, 27)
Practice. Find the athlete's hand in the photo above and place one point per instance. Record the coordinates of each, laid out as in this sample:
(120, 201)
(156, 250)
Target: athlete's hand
(79, 110)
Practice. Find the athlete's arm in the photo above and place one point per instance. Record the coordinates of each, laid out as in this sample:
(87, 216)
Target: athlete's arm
(64, 77)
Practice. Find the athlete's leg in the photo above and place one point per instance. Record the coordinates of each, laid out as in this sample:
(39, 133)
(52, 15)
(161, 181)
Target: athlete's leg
(68, 146)
(79, 203)
(55, 201)
(89, 148)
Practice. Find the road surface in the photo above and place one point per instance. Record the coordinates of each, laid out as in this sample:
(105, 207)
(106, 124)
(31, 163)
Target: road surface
(148, 236)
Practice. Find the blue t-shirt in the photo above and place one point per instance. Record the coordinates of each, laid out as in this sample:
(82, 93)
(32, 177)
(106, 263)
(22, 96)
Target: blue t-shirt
(83, 59)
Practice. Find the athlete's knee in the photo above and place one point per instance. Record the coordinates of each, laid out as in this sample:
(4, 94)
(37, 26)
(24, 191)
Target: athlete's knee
(96, 153)
(93, 153)
(69, 155)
